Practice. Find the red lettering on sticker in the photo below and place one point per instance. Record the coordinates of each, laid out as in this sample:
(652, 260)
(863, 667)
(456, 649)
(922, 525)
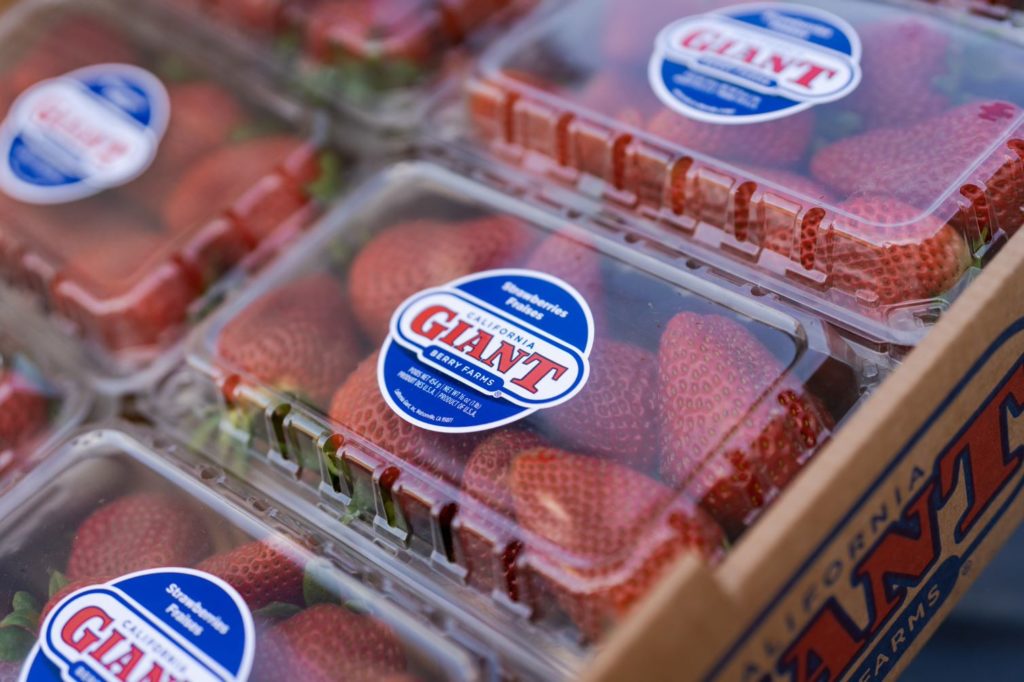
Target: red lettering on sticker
(700, 40)
(75, 633)
(476, 346)
(426, 324)
(122, 667)
(544, 367)
(505, 358)
(812, 73)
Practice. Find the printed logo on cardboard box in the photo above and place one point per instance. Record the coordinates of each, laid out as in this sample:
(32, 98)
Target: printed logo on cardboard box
(875, 585)
(754, 63)
(71, 137)
(161, 624)
(486, 350)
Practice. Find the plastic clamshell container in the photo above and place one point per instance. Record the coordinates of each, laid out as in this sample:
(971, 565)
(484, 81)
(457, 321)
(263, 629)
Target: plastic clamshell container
(41, 397)
(236, 172)
(570, 513)
(875, 209)
(114, 482)
(378, 60)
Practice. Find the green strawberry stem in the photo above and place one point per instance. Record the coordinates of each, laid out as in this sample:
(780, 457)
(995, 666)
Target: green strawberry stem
(328, 183)
(18, 628)
(58, 581)
(235, 457)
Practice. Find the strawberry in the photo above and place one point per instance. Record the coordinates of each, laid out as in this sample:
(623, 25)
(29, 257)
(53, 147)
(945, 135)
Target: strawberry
(601, 534)
(781, 143)
(900, 60)
(135, 532)
(919, 164)
(486, 506)
(616, 93)
(299, 338)
(262, 572)
(23, 413)
(203, 116)
(731, 431)
(614, 416)
(778, 235)
(628, 36)
(575, 261)
(359, 406)
(410, 257)
(260, 15)
(124, 289)
(251, 180)
(327, 642)
(788, 184)
(889, 252)
(486, 474)
(369, 29)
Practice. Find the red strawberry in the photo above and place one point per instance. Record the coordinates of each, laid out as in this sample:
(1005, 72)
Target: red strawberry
(778, 235)
(299, 338)
(628, 36)
(203, 116)
(776, 143)
(254, 181)
(733, 430)
(573, 260)
(376, 29)
(487, 506)
(785, 183)
(23, 413)
(486, 474)
(115, 257)
(135, 532)
(260, 15)
(617, 94)
(124, 289)
(359, 406)
(614, 416)
(900, 60)
(261, 572)
(917, 165)
(889, 252)
(601, 534)
(408, 258)
(328, 642)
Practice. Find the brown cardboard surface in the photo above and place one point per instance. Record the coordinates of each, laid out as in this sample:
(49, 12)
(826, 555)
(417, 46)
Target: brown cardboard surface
(851, 570)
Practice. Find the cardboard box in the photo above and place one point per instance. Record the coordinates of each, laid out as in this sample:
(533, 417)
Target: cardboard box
(856, 565)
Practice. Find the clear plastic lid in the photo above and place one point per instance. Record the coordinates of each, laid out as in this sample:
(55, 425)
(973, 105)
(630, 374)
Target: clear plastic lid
(862, 157)
(93, 99)
(358, 52)
(696, 407)
(115, 503)
(40, 398)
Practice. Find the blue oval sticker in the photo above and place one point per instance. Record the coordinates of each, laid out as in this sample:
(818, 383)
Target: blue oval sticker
(71, 137)
(754, 63)
(486, 350)
(162, 624)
